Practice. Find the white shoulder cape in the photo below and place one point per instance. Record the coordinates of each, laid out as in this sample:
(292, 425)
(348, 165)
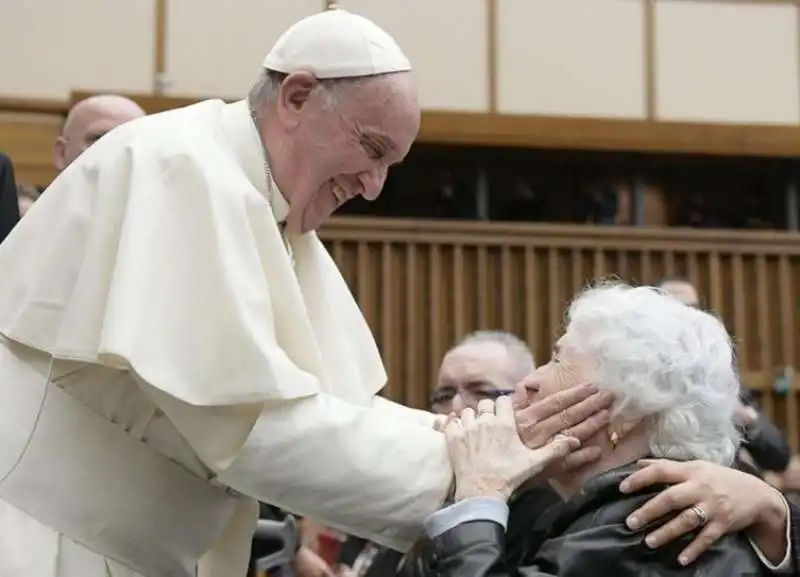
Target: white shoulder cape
(157, 250)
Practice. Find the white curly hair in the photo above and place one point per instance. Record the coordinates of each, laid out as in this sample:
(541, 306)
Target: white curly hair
(665, 362)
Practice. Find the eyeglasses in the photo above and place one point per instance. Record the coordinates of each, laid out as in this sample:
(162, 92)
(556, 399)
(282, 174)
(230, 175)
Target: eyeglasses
(444, 397)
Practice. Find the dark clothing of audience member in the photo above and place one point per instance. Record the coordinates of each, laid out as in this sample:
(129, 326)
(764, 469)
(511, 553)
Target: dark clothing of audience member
(768, 446)
(583, 537)
(9, 205)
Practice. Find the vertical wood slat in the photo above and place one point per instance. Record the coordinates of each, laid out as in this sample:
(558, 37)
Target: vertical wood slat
(483, 286)
(435, 294)
(365, 280)
(788, 336)
(715, 281)
(507, 305)
(554, 292)
(532, 308)
(459, 298)
(388, 328)
(413, 383)
(764, 340)
(740, 332)
(647, 268)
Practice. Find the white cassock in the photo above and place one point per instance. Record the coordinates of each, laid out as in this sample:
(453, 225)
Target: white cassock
(163, 363)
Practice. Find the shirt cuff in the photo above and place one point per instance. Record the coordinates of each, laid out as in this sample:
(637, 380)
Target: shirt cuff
(474, 509)
(785, 566)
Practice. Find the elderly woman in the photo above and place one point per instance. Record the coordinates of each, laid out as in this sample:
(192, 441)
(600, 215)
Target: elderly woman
(670, 368)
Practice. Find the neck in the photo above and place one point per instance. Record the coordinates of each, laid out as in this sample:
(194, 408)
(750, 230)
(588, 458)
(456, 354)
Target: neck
(569, 484)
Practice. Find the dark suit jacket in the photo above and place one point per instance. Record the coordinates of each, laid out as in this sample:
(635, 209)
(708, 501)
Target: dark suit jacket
(9, 205)
(794, 536)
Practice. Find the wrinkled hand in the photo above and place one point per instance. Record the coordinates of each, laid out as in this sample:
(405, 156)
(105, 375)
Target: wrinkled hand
(717, 490)
(489, 458)
(578, 412)
(308, 564)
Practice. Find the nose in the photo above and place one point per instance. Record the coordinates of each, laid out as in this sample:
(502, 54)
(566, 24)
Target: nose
(372, 182)
(458, 404)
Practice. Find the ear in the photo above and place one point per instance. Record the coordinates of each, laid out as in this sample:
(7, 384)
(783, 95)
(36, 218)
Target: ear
(59, 153)
(293, 95)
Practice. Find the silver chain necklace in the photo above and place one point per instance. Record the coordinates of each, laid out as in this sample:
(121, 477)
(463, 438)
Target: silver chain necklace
(271, 189)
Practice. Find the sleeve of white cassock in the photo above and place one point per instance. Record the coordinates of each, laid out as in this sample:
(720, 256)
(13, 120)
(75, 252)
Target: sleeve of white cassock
(344, 465)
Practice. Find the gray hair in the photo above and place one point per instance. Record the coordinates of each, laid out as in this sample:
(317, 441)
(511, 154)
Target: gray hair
(665, 362)
(265, 90)
(522, 362)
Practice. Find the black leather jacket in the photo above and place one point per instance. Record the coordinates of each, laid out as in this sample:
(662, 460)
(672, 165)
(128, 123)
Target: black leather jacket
(587, 538)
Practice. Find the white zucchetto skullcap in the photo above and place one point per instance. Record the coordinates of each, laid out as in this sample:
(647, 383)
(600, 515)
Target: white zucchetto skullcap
(336, 44)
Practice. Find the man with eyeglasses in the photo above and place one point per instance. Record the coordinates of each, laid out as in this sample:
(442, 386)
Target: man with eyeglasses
(484, 365)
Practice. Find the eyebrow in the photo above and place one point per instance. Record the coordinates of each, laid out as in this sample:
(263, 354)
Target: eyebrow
(378, 138)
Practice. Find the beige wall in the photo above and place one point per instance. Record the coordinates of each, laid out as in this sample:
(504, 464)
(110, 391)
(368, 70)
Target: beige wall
(571, 57)
(713, 61)
(48, 47)
(727, 62)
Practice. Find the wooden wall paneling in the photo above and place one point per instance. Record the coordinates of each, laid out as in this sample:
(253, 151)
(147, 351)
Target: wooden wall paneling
(533, 131)
(521, 278)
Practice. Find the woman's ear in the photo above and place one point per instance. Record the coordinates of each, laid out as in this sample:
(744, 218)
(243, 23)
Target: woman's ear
(618, 429)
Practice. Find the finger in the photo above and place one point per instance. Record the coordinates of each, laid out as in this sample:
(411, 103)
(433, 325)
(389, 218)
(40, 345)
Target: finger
(486, 407)
(504, 409)
(589, 427)
(575, 414)
(667, 501)
(452, 427)
(556, 449)
(554, 404)
(581, 458)
(467, 417)
(710, 534)
(520, 396)
(684, 523)
(661, 472)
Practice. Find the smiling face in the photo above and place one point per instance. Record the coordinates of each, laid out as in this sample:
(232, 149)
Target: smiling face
(331, 145)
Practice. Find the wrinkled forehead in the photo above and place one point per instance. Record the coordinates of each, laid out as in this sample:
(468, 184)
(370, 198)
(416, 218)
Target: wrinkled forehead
(474, 364)
(386, 106)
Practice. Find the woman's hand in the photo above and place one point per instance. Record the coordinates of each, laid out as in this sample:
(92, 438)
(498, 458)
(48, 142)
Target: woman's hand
(718, 492)
(489, 458)
(578, 412)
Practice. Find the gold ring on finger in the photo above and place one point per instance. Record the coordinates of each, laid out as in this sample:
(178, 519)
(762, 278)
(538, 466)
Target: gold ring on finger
(701, 514)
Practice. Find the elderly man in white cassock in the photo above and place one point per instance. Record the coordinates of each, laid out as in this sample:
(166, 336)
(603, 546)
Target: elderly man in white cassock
(176, 342)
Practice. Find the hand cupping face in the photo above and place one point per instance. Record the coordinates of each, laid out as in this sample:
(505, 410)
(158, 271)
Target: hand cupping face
(488, 456)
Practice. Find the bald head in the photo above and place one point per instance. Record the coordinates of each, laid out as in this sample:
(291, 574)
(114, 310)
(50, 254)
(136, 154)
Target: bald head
(90, 119)
(682, 290)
